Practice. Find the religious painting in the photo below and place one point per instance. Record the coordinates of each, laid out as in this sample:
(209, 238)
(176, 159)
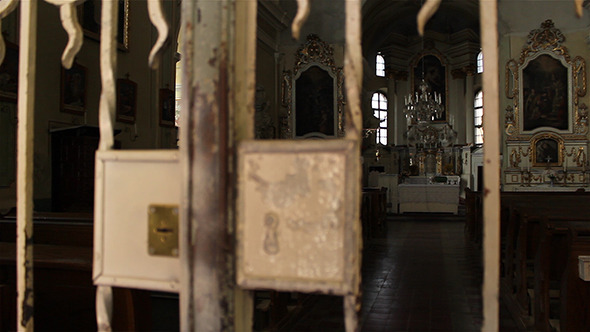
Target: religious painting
(73, 89)
(126, 100)
(545, 85)
(167, 108)
(9, 74)
(89, 15)
(545, 94)
(547, 151)
(431, 69)
(314, 102)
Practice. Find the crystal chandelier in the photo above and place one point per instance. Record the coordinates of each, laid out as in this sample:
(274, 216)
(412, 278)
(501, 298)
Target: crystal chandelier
(423, 107)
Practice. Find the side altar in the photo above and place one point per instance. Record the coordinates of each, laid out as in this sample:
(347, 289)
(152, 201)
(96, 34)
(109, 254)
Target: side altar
(546, 125)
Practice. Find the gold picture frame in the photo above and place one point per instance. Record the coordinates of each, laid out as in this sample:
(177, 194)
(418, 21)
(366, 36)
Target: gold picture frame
(545, 85)
(547, 150)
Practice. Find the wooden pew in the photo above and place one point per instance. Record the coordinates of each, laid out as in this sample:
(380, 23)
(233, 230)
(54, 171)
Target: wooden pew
(473, 216)
(528, 236)
(556, 250)
(373, 211)
(64, 293)
(520, 213)
(575, 292)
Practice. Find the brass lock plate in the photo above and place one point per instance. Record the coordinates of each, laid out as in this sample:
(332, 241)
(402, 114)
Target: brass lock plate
(163, 230)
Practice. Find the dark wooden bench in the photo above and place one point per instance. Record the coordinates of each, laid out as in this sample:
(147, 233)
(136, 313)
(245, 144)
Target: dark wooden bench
(521, 215)
(373, 211)
(555, 305)
(64, 293)
(575, 292)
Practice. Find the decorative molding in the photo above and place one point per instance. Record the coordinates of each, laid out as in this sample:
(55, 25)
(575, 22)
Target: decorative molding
(314, 50)
(398, 75)
(458, 74)
(470, 70)
(547, 40)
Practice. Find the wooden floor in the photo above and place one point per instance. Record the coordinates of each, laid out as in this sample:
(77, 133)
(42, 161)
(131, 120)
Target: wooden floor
(420, 275)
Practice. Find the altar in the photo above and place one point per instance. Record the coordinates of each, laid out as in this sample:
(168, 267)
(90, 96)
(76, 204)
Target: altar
(430, 196)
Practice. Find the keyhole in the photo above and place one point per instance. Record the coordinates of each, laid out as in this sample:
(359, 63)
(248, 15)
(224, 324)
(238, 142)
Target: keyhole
(163, 231)
(271, 241)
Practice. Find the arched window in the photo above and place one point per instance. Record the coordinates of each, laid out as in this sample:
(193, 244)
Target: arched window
(380, 66)
(480, 62)
(379, 105)
(478, 117)
(177, 93)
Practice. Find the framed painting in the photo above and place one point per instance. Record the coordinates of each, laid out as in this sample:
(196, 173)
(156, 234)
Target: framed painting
(126, 100)
(545, 94)
(545, 84)
(73, 89)
(547, 150)
(9, 74)
(167, 109)
(312, 90)
(430, 68)
(89, 17)
(315, 102)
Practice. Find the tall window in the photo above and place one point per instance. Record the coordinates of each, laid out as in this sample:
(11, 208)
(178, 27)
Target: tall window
(379, 104)
(380, 66)
(478, 117)
(177, 92)
(480, 62)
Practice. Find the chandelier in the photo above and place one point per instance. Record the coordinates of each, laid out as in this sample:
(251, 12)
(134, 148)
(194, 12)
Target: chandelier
(423, 107)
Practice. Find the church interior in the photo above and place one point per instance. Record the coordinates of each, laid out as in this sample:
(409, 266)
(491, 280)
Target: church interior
(421, 157)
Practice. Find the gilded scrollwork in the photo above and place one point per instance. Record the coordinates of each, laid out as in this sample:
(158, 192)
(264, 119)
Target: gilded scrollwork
(314, 53)
(546, 38)
(314, 50)
(546, 41)
(510, 121)
(515, 158)
(547, 145)
(511, 79)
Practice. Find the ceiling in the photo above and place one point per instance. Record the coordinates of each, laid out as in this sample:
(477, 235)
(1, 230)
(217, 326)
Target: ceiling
(382, 19)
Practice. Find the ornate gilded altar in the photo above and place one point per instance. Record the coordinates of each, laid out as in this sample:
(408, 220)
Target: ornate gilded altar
(546, 126)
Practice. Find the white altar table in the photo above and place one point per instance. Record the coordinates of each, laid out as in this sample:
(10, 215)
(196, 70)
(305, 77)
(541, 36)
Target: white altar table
(428, 198)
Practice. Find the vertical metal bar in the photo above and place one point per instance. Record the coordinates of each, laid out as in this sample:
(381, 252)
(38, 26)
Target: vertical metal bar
(206, 285)
(26, 121)
(491, 192)
(187, 321)
(353, 71)
(106, 109)
(243, 90)
(108, 65)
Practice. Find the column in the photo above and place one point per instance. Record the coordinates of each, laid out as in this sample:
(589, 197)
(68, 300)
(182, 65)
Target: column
(391, 103)
(469, 99)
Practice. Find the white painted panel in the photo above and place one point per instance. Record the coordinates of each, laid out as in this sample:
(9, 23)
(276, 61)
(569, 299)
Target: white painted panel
(127, 182)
